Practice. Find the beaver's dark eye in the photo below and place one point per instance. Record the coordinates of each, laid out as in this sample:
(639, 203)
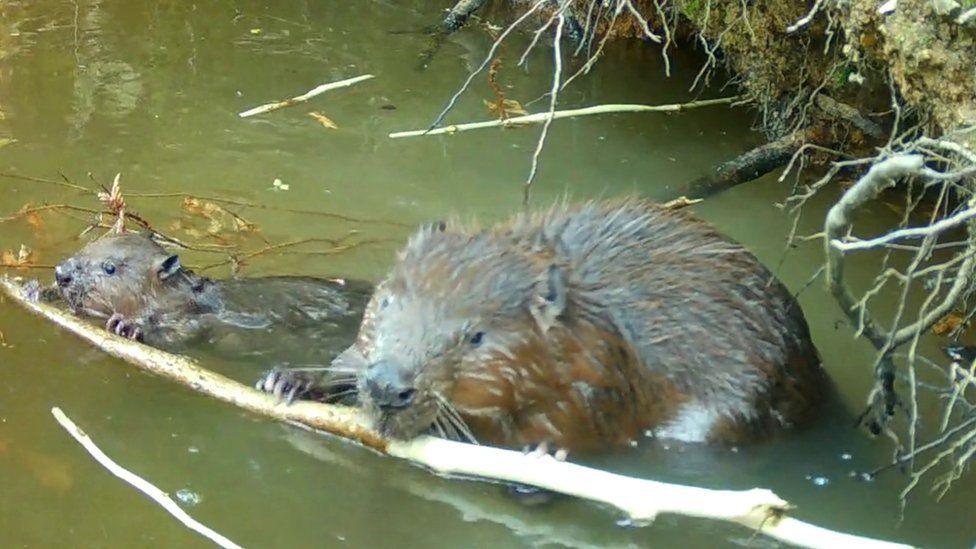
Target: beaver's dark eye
(476, 339)
(108, 267)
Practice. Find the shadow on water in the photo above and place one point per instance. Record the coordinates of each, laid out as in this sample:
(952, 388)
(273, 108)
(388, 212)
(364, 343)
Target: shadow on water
(152, 89)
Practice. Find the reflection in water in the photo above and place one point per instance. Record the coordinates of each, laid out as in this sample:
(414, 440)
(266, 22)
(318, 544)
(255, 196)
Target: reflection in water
(152, 89)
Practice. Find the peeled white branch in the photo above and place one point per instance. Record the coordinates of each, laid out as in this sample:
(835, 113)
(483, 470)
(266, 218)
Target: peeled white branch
(901, 234)
(542, 117)
(268, 107)
(641, 500)
(140, 483)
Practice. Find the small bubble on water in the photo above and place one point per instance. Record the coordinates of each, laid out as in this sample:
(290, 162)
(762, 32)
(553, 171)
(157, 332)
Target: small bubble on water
(649, 433)
(846, 456)
(193, 450)
(735, 449)
(863, 477)
(633, 444)
(818, 480)
(188, 497)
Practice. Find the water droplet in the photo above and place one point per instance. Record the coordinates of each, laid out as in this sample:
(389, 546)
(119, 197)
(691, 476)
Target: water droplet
(188, 497)
(846, 456)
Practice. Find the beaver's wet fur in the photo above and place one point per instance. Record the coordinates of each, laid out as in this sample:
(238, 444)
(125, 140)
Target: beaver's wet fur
(144, 293)
(584, 327)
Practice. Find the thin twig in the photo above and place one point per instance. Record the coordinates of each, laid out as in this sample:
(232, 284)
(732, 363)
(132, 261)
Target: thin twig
(557, 73)
(319, 90)
(260, 206)
(140, 483)
(542, 117)
(484, 64)
(850, 244)
(66, 184)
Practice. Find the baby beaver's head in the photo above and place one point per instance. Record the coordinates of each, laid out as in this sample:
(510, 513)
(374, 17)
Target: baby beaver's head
(448, 328)
(118, 273)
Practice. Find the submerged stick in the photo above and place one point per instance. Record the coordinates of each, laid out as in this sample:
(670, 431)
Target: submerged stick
(542, 117)
(641, 500)
(268, 107)
(140, 483)
(748, 166)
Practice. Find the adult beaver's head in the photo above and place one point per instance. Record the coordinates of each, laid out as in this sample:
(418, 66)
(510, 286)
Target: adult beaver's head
(448, 326)
(118, 273)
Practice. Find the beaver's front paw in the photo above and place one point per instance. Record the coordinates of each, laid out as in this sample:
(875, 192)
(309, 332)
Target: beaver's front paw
(125, 327)
(287, 384)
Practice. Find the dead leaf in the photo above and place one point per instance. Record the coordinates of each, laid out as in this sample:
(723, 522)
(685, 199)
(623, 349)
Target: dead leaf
(113, 199)
(51, 472)
(324, 120)
(219, 219)
(948, 324)
(509, 107)
(35, 221)
(21, 258)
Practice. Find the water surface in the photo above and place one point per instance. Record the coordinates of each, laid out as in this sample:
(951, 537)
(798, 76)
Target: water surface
(151, 89)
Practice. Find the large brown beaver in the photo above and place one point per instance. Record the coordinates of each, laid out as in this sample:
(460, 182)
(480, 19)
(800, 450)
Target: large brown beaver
(144, 293)
(582, 327)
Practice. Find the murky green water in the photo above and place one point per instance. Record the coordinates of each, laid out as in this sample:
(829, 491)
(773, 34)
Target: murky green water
(152, 89)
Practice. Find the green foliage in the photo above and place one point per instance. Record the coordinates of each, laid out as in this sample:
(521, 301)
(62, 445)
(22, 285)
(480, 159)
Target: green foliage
(695, 9)
(839, 76)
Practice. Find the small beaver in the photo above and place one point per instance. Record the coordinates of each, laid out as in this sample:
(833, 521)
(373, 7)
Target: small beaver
(144, 293)
(581, 328)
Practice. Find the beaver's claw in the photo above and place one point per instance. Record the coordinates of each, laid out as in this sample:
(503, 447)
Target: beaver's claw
(532, 495)
(120, 325)
(285, 384)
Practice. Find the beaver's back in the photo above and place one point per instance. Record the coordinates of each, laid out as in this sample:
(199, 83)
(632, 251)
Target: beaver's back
(696, 307)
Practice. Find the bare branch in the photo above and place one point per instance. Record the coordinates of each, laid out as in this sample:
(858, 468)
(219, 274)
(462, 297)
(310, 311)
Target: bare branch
(851, 244)
(538, 118)
(140, 483)
(319, 90)
(557, 73)
(484, 64)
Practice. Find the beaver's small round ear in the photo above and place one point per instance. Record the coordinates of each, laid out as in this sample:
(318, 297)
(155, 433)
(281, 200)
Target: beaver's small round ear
(169, 267)
(549, 300)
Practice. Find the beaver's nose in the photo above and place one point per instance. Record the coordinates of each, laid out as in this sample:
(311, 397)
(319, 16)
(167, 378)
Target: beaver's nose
(64, 272)
(388, 387)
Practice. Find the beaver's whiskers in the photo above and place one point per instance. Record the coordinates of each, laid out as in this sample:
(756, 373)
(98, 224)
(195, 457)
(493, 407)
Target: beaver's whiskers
(451, 418)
